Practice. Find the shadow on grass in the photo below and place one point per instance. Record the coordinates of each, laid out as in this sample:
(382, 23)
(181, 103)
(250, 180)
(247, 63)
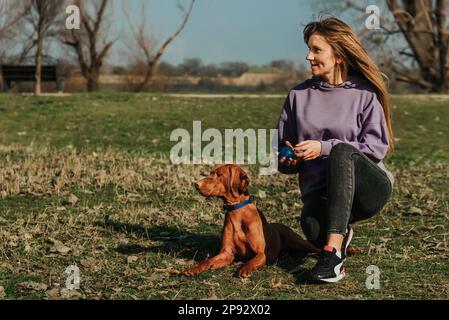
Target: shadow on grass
(292, 262)
(185, 244)
(188, 245)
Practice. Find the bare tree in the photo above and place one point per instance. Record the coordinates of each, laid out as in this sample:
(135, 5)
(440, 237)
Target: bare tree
(424, 22)
(9, 15)
(90, 42)
(44, 16)
(145, 42)
(420, 55)
(11, 20)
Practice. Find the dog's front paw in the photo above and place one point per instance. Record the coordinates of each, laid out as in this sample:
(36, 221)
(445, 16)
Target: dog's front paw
(246, 271)
(196, 269)
(191, 272)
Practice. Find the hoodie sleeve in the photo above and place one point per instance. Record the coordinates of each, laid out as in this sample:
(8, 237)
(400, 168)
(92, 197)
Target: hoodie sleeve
(373, 137)
(287, 130)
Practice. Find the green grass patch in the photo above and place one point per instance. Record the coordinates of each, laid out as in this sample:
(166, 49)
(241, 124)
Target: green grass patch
(137, 221)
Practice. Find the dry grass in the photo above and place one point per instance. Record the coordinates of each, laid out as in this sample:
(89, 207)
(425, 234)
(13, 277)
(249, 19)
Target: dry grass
(131, 222)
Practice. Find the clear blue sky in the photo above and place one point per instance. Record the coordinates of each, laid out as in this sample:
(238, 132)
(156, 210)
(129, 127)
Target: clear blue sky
(254, 31)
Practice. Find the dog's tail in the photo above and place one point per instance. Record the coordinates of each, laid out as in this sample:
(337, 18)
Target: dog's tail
(293, 241)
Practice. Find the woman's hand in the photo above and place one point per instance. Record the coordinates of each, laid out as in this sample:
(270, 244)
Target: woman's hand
(311, 149)
(305, 150)
(291, 162)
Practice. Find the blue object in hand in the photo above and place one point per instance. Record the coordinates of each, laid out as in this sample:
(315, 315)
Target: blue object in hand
(286, 152)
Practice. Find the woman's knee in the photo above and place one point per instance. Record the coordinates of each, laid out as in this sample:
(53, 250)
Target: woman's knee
(342, 149)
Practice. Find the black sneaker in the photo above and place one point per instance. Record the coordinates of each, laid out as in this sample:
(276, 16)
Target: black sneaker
(346, 242)
(328, 267)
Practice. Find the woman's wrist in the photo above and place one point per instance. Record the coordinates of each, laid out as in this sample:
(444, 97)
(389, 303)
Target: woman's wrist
(326, 147)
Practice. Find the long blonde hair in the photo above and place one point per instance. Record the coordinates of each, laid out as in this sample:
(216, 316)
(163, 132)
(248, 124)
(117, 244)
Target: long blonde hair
(355, 60)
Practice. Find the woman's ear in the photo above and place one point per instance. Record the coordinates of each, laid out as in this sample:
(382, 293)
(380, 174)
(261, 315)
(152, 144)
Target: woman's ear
(338, 61)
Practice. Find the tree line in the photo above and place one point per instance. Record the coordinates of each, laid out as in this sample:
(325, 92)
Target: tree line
(32, 26)
(411, 44)
(196, 68)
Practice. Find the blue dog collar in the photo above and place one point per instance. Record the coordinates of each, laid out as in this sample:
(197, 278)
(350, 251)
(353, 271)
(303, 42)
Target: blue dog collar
(232, 207)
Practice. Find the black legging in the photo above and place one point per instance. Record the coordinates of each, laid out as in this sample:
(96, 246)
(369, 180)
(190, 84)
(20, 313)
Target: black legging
(357, 189)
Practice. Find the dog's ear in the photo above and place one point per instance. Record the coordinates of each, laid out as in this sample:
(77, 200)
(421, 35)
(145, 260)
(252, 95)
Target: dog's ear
(244, 182)
(238, 181)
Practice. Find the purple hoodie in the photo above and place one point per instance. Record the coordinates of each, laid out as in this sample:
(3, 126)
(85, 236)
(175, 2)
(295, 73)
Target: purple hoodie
(350, 113)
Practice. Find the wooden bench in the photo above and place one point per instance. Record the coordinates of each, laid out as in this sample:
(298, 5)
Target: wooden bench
(16, 73)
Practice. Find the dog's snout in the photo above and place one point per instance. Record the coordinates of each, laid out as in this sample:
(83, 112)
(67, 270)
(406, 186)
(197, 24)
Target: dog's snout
(196, 185)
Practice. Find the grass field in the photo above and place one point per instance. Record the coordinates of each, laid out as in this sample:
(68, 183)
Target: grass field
(86, 180)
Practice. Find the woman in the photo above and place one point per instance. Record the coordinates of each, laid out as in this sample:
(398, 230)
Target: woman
(338, 124)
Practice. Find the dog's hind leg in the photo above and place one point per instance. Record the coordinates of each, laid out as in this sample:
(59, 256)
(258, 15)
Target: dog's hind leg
(293, 241)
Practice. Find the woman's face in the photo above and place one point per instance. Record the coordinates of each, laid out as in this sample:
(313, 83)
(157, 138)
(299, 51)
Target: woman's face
(321, 57)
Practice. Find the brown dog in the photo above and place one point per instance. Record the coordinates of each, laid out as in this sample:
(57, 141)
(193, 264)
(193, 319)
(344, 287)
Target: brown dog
(246, 232)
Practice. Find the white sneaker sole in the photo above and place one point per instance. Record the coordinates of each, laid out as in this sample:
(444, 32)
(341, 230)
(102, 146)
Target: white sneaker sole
(336, 279)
